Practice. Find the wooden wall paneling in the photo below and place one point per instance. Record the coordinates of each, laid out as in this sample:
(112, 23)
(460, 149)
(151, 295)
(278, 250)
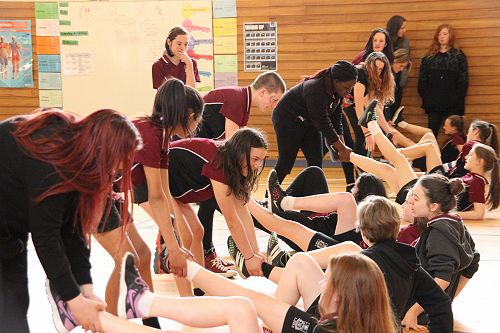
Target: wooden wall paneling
(313, 34)
(15, 101)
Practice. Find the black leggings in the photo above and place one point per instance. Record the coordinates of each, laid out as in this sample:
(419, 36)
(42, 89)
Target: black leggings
(292, 135)
(14, 295)
(311, 181)
(206, 215)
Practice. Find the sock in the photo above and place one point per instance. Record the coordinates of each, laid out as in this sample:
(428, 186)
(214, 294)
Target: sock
(152, 322)
(144, 304)
(209, 251)
(198, 292)
(403, 124)
(287, 203)
(319, 241)
(192, 269)
(267, 269)
(374, 128)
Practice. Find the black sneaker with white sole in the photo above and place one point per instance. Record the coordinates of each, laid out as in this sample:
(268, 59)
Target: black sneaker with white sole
(369, 114)
(398, 116)
(276, 193)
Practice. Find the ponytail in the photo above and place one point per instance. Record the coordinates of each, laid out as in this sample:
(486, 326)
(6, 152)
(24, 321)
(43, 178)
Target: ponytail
(490, 163)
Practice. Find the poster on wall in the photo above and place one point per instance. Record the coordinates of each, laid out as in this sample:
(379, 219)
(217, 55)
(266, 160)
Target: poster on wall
(16, 55)
(261, 47)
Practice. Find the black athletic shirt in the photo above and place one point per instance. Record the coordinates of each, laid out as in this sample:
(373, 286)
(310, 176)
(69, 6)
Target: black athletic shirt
(62, 251)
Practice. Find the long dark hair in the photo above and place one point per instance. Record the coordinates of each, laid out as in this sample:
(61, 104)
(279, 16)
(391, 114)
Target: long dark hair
(490, 160)
(174, 101)
(487, 133)
(393, 25)
(388, 51)
(86, 153)
(460, 123)
(369, 184)
(229, 157)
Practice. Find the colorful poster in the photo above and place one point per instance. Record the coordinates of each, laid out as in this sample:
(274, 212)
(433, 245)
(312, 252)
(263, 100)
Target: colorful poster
(261, 46)
(16, 54)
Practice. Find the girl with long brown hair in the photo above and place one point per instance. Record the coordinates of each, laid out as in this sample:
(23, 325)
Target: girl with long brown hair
(201, 169)
(56, 173)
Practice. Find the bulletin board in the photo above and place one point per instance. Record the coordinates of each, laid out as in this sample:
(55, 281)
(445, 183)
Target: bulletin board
(108, 48)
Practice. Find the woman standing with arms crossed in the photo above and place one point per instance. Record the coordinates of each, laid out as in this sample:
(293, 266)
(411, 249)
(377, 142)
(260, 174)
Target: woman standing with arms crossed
(310, 111)
(56, 173)
(443, 78)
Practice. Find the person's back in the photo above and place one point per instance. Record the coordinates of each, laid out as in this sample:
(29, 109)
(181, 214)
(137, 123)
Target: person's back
(408, 282)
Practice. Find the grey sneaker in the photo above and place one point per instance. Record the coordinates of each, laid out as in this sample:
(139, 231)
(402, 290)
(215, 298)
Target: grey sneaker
(276, 255)
(132, 288)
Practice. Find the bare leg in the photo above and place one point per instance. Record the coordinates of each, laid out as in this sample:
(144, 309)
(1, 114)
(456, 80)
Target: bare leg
(270, 310)
(197, 232)
(403, 168)
(432, 155)
(302, 278)
(342, 203)
(322, 256)
(116, 244)
(237, 312)
(112, 324)
(296, 232)
(183, 286)
(417, 130)
(382, 170)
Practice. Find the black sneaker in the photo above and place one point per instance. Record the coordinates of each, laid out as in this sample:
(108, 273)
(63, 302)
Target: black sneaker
(61, 316)
(276, 193)
(239, 260)
(369, 114)
(398, 116)
(276, 255)
(132, 288)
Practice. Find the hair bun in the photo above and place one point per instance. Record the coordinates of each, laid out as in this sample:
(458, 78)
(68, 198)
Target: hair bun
(456, 186)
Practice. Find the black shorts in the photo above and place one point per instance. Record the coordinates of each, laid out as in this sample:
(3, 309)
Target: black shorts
(298, 321)
(185, 171)
(141, 193)
(213, 124)
(439, 170)
(113, 220)
(403, 192)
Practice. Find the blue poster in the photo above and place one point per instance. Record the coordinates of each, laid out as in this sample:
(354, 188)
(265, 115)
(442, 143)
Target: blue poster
(49, 63)
(16, 54)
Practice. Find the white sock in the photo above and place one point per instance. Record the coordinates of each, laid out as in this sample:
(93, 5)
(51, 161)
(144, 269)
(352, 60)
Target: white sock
(374, 128)
(403, 124)
(192, 269)
(144, 304)
(287, 203)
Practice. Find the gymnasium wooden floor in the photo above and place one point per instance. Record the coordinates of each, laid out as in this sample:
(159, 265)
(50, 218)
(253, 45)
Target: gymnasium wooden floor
(475, 310)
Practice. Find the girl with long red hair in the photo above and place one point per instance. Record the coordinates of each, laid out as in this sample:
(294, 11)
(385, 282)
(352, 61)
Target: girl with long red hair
(56, 171)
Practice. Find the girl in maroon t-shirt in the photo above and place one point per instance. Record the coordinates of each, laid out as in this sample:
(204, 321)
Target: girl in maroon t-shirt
(175, 62)
(201, 169)
(177, 110)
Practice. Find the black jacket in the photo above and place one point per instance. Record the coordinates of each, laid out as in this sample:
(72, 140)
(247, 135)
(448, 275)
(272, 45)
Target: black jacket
(447, 251)
(58, 242)
(314, 101)
(407, 282)
(443, 82)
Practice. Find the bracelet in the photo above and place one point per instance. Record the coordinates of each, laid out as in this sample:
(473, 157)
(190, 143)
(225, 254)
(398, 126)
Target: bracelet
(253, 255)
(367, 135)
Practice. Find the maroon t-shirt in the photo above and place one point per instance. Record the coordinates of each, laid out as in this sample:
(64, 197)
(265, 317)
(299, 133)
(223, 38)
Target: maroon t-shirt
(164, 69)
(466, 150)
(154, 153)
(189, 156)
(409, 234)
(236, 103)
(476, 185)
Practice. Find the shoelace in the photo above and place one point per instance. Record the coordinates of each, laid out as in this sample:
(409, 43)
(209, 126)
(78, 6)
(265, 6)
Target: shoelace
(223, 262)
(217, 264)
